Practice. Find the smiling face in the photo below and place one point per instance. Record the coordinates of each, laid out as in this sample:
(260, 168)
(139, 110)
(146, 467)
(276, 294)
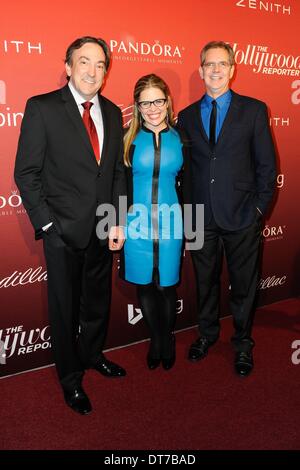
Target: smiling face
(216, 72)
(87, 69)
(155, 116)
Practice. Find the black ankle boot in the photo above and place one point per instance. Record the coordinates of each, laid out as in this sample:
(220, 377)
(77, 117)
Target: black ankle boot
(153, 356)
(152, 362)
(169, 353)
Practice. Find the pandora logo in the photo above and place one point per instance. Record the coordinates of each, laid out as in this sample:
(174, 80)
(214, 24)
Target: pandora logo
(144, 48)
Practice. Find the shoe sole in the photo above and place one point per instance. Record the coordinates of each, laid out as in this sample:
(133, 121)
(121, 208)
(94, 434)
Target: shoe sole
(79, 412)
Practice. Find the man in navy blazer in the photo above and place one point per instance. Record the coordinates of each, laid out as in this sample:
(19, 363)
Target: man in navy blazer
(62, 183)
(233, 172)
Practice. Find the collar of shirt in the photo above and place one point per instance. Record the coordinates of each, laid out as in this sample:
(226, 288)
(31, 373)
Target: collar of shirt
(79, 100)
(223, 103)
(96, 113)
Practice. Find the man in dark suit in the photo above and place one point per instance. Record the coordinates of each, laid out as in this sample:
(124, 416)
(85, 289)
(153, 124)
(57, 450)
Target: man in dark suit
(233, 175)
(70, 161)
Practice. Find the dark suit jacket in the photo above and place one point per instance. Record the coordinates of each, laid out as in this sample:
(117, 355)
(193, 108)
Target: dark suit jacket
(56, 170)
(238, 175)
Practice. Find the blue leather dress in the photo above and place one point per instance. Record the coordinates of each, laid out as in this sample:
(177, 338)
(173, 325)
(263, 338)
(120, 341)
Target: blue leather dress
(154, 230)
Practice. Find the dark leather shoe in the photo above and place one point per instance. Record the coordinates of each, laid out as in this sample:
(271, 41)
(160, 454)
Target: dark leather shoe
(152, 362)
(78, 400)
(199, 349)
(108, 368)
(243, 363)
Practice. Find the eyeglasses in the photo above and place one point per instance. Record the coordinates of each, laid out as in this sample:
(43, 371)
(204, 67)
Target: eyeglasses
(212, 65)
(158, 103)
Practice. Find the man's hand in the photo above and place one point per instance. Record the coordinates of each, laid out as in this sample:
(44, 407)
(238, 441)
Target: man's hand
(116, 238)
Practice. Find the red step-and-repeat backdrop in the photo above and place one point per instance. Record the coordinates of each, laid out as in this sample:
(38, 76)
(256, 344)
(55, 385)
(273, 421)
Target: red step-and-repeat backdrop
(164, 38)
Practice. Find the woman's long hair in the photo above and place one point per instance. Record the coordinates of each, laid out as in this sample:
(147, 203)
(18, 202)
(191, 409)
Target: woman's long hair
(144, 82)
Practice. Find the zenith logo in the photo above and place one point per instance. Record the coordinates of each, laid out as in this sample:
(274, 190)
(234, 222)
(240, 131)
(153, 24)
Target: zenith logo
(265, 6)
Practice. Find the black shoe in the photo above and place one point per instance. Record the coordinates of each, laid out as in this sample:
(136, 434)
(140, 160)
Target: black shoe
(152, 362)
(169, 354)
(168, 363)
(243, 363)
(78, 400)
(108, 368)
(199, 349)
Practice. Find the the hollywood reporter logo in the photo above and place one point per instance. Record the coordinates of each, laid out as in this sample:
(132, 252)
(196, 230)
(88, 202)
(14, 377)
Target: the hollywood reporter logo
(2, 353)
(265, 61)
(16, 341)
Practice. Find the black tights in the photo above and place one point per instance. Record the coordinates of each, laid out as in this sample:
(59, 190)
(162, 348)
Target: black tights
(158, 305)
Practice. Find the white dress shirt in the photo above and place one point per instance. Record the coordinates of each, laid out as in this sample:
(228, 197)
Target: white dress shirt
(95, 112)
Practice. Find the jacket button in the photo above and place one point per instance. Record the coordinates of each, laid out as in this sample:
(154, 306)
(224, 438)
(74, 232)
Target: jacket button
(99, 174)
(212, 180)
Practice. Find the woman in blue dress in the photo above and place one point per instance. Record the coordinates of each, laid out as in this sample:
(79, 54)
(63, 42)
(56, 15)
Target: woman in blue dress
(154, 232)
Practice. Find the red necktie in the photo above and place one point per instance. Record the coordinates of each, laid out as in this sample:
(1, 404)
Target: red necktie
(91, 128)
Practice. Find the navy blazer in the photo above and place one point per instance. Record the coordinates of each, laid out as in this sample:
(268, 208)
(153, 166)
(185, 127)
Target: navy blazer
(238, 175)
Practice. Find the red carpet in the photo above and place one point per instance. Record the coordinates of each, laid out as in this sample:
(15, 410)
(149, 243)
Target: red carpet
(193, 406)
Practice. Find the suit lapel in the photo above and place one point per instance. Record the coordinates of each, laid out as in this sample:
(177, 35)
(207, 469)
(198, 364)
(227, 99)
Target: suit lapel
(75, 116)
(106, 129)
(232, 115)
(198, 119)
